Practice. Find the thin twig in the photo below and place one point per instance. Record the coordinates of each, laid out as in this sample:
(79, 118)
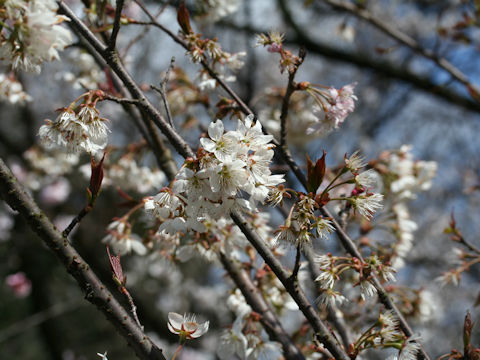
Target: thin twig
(77, 219)
(95, 291)
(162, 90)
(116, 26)
(120, 100)
(291, 87)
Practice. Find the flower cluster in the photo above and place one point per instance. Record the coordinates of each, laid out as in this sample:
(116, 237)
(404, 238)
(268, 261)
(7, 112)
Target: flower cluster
(410, 176)
(273, 41)
(11, 90)
(209, 51)
(77, 129)
(385, 333)
(207, 187)
(333, 107)
(302, 223)
(32, 33)
(331, 267)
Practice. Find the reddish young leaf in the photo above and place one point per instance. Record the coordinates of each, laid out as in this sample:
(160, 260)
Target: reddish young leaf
(183, 18)
(116, 268)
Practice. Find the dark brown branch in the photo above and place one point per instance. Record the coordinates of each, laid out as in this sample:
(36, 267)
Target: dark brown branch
(95, 291)
(296, 266)
(76, 220)
(116, 26)
(255, 299)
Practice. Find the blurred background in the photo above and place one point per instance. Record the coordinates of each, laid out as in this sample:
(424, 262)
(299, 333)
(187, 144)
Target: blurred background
(403, 98)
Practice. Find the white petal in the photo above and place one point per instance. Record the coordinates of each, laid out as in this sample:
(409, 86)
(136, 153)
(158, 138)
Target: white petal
(215, 130)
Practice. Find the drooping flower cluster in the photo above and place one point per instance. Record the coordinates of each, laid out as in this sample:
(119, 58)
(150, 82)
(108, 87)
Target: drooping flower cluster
(333, 107)
(209, 51)
(302, 223)
(32, 33)
(331, 267)
(274, 43)
(77, 129)
(11, 90)
(231, 163)
(385, 333)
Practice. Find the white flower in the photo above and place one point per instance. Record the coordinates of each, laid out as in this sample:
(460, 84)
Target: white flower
(228, 177)
(237, 303)
(367, 178)
(335, 106)
(186, 326)
(122, 240)
(329, 298)
(217, 9)
(165, 204)
(389, 323)
(324, 228)
(38, 36)
(324, 261)
(87, 132)
(103, 356)
(367, 289)
(326, 279)
(410, 349)
(367, 204)
(355, 162)
(233, 342)
(263, 350)
(223, 146)
(11, 90)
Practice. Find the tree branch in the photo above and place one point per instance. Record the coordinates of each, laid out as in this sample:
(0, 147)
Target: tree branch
(95, 291)
(404, 39)
(291, 87)
(255, 299)
(116, 26)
